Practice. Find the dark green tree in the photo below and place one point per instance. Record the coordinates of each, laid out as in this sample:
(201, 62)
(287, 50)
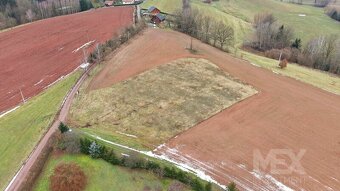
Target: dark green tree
(63, 128)
(297, 43)
(85, 5)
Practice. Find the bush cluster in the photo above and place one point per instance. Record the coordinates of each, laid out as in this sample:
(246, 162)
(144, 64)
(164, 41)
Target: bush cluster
(68, 177)
(135, 161)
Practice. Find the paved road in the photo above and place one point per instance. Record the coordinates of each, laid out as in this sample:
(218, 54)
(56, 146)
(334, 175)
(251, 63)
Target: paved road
(23, 172)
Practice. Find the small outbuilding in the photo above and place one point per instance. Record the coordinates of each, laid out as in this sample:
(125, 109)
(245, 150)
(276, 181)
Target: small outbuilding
(128, 2)
(157, 18)
(153, 11)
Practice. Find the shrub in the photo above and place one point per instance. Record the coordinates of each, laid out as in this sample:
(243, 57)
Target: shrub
(134, 161)
(283, 63)
(208, 187)
(63, 128)
(297, 43)
(275, 53)
(85, 145)
(196, 185)
(111, 157)
(95, 150)
(232, 187)
(170, 172)
(68, 177)
(71, 142)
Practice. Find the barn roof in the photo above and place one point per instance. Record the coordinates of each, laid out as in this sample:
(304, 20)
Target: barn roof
(150, 9)
(160, 16)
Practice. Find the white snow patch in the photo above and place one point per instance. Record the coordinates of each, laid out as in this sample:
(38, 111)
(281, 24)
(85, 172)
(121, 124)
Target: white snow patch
(255, 65)
(83, 46)
(128, 135)
(278, 183)
(242, 166)
(51, 84)
(38, 82)
(84, 65)
(268, 177)
(335, 179)
(126, 155)
(9, 111)
(314, 179)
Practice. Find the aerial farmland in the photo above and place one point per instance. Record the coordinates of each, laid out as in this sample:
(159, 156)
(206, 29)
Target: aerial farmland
(169, 95)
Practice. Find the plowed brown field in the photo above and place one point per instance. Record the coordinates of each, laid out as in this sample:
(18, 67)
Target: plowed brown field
(285, 114)
(35, 55)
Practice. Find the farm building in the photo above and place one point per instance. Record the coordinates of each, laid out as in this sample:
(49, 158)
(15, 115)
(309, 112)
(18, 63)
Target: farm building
(157, 18)
(153, 11)
(128, 2)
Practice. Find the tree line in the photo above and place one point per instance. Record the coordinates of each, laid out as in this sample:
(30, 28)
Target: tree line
(205, 28)
(275, 40)
(16, 12)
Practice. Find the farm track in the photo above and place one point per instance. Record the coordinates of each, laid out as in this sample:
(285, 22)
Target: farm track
(35, 55)
(285, 114)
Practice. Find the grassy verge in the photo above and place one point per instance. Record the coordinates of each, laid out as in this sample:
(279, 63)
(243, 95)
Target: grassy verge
(323, 80)
(21, 130)
(104, 176)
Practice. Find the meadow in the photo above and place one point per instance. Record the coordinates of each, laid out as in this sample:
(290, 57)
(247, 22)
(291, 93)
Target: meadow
(21, 130)
(158, 104)
(240, 13)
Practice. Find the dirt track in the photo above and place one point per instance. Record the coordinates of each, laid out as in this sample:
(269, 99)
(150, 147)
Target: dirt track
(35, 55)
(286, 114)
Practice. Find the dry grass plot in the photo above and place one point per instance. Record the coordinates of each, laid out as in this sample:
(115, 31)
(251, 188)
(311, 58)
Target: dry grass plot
(160, 103)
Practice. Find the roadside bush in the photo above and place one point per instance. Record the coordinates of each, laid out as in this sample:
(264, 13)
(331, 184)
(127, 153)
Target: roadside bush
(283, 63)
(71, 142)
(38, 165)
(63, 128)
(68, 177)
